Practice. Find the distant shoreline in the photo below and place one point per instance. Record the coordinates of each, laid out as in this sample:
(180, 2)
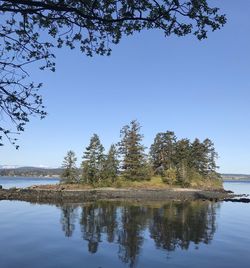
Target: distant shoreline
(236, 180)
(31, 177)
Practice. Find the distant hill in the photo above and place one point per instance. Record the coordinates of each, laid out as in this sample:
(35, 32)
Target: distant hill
(30, 172)
(235, 177)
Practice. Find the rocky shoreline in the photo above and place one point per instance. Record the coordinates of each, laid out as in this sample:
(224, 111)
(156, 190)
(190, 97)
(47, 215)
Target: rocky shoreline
(84, 195)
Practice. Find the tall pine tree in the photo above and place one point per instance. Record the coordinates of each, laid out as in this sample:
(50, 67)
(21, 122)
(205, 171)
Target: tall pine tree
(93, 161)
(70, 173)
(182, 161)
(211, 156)
(111, 164)
(133, 162)
(162, 151)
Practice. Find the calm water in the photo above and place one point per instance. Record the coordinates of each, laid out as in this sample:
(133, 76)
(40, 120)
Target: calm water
(20, 182)
(106, 234)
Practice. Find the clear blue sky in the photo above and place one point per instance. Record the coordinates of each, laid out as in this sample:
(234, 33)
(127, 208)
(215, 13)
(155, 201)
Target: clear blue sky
(197, 89)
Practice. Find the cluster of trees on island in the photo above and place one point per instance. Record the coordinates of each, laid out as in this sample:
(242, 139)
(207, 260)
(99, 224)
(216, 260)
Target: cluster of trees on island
(176, 161)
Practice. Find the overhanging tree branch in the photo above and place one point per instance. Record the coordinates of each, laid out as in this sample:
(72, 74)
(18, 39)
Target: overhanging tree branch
(89, 25)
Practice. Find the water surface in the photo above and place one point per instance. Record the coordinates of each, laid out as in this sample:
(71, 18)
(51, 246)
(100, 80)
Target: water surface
(21, 182)
(125, 234)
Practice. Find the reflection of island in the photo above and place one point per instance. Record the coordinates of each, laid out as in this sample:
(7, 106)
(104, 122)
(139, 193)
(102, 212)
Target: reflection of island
(172, 225)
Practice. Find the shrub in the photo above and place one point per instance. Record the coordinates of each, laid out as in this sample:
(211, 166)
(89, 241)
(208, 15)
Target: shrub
(169, 176)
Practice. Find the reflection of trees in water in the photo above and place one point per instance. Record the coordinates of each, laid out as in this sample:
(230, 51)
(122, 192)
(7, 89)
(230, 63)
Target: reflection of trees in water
(178, 224)
(96, 219)
(68, 218)
(129, 235)
(170, 226)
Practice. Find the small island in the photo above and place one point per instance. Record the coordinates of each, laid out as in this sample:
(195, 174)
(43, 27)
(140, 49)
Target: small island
(173, 169)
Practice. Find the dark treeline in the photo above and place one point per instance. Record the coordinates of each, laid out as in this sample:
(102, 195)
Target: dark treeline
(171, 226)
(176, 161)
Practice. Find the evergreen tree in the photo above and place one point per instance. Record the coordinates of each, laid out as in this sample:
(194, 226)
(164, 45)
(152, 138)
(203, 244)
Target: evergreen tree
(162, 151)
(70, 173)
(203, 157)
(132, 151)
(198, 157)
(86, 172)
(211, 156)
(156, 154)
(93, 161)
(111, 164)
(182, 160)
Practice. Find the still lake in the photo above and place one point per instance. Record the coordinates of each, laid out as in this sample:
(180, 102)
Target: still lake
(125, 234)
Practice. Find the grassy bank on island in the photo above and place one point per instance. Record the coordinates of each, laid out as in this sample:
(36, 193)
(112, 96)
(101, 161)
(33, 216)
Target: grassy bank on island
(154, 183)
